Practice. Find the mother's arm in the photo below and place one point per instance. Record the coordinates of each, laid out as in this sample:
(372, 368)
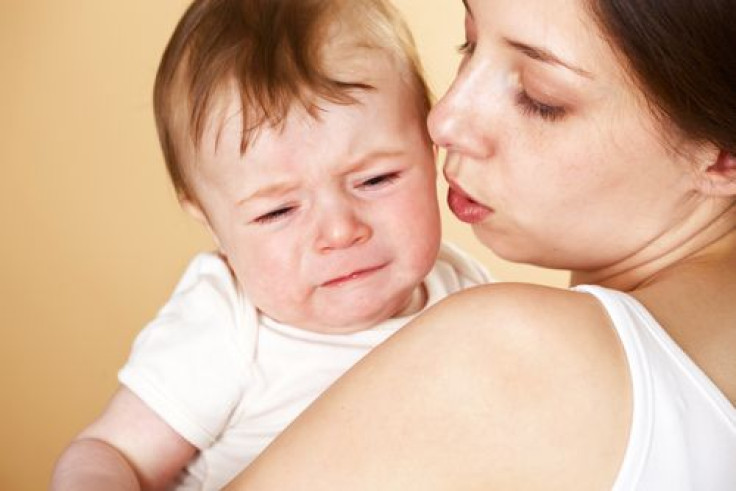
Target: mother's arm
(503, 386)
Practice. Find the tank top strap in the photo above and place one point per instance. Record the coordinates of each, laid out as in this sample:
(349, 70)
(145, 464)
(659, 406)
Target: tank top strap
(683, 430)
(624, 311)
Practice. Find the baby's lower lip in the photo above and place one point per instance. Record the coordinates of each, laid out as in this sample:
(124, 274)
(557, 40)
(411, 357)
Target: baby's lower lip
(352, 276)
(465, 208)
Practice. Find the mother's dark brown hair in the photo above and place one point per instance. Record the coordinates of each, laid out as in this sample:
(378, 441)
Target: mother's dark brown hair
(682, 53)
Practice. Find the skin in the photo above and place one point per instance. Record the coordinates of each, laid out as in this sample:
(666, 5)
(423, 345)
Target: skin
(319, 222)
(555, 158)
(511, 149)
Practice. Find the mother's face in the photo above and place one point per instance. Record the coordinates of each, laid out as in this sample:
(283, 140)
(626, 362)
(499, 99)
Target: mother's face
(545, 130)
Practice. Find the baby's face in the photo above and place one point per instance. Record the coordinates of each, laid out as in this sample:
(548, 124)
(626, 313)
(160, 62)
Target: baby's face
(328, 224)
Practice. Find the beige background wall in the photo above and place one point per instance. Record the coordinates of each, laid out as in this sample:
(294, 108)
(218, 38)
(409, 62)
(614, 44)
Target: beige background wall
(93, 240)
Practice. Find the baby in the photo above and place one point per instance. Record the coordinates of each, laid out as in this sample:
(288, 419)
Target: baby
(294, 130)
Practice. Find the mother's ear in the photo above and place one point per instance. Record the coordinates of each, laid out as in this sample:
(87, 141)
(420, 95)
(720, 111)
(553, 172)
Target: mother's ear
(719, 176)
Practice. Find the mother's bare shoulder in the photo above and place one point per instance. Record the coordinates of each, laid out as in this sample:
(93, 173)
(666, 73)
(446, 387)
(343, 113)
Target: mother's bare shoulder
(518, 311)
(549, 369)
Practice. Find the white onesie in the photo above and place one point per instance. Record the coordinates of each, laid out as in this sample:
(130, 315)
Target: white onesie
(229, 379)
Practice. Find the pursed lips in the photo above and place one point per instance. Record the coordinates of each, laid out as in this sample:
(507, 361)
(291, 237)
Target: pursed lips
(464, 206)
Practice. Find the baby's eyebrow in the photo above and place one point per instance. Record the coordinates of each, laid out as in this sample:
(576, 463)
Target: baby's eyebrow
(273, 189)
(283, 186)
(546, 56)
(369, 158)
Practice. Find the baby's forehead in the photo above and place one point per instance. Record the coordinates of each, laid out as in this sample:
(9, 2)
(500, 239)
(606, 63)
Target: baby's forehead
(358, 70)
(336, 138)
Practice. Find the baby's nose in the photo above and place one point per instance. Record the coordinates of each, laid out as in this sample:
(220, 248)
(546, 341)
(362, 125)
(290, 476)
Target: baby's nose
(341, 227)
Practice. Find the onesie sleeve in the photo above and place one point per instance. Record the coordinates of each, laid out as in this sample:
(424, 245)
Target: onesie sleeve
(189, 365)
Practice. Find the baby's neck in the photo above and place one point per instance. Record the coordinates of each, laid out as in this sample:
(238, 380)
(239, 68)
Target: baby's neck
(415, 303)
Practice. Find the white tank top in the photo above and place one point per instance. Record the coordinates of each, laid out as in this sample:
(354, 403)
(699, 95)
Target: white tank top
(683, 433)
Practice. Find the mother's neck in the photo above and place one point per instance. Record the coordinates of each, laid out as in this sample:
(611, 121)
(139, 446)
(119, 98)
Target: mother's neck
(713, 239)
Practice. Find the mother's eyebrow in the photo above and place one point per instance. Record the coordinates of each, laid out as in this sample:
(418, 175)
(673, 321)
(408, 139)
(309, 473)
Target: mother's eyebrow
(545, 56)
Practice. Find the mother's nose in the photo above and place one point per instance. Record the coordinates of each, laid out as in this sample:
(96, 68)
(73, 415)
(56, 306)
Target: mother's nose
(458, 122)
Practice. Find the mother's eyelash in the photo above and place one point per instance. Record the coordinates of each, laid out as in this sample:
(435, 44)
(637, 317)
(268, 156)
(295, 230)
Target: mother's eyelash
(533, 107)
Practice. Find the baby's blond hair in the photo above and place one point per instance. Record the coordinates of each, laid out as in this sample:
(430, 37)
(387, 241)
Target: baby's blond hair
(271, 51)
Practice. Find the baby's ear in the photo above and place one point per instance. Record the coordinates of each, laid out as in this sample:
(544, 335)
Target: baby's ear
(195, 211)
(719, 177)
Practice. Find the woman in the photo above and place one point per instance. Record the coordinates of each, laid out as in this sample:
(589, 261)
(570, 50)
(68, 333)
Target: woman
(598, 137)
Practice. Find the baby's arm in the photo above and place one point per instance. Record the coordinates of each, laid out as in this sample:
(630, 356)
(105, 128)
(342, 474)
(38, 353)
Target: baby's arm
(128, 447)
(179, 388)
(131, 445)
